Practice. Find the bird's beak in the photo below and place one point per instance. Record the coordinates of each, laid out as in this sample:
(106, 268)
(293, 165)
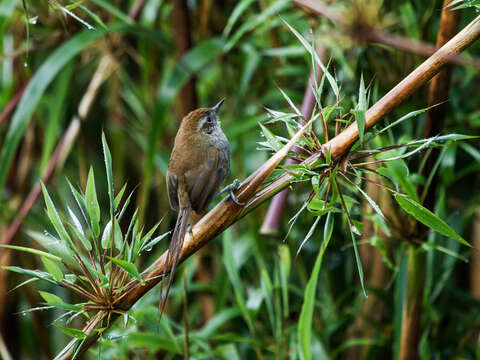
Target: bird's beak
(217, 107)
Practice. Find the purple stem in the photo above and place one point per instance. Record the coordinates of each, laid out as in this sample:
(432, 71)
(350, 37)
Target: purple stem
(271, 224)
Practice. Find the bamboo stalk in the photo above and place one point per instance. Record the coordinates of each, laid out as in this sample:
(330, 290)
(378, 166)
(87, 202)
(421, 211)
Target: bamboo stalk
(438, 94)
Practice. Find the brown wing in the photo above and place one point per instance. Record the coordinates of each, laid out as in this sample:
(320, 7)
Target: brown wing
(172, 186)
(204, 180)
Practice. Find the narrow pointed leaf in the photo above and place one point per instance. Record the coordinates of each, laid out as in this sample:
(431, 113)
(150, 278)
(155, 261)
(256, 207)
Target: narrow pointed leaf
(42, 275)
(53, 269)
(75, 333)
(129, 267)
(92, 203)
(306, 315)
(117, 235)
(56, 220)
(108, 167)
(32, 251)
(428, 218)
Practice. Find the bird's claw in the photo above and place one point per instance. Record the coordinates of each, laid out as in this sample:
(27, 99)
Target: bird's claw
(230, 189)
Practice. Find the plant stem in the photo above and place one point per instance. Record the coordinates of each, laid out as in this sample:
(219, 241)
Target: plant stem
(273, 219)
(412, 306)
(438, 94)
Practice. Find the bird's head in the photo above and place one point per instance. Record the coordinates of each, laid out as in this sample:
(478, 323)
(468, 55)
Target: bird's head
(203, 120)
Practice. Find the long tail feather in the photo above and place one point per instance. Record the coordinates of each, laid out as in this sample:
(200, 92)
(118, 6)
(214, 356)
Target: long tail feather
(174, 250)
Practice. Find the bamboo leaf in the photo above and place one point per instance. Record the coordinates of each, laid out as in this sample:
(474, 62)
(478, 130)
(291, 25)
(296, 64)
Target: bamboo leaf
(75, 333)
(78, 230)
(117, 235)
(42, 275)
(306, 315)
(359, 112)
(53, 269)
(108, 167)
(309, 234)
(358, 261)
(309, 48)
(56, 221)
(50, 298)
(119, 197)
(235, 15)
(129, 267)
(428, 218)
(271, 138)
(285, 266)
(93, 208)
(32, 251)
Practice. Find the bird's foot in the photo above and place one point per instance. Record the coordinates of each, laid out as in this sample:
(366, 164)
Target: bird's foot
(230, 189)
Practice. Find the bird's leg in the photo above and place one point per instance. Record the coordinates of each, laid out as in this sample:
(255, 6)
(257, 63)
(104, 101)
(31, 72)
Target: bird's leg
(230, 189)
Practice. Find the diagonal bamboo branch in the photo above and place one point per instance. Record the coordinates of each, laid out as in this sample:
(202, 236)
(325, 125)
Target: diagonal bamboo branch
(227, 212)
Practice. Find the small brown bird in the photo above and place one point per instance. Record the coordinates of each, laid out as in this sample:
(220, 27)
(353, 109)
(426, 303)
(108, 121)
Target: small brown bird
(199, 164)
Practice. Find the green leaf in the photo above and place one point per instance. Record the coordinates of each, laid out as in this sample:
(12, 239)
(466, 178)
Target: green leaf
(360, 119)
(319, 62)
(53, 269)
(80, 200)
(309, 234)
(94, 16)
(56, 221)
(285, 266)
(108, 167)
(43, 254)
(274, 143)
(239, 9)
(93, 208)
(65, 306)
(78, 230)
(34, 92)
(306, 315)
(75, 333)
(252, 22)
(117, 235)
(42, 275)
(358, 261)
(129, 267)
(359, 112)
(54, 246)
(119, 197)
(50, 298)
(428, 218)
(290, 102)
(114, 11)
(403, 118)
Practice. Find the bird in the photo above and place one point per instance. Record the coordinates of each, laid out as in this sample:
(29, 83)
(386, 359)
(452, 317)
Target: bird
(198, 166)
